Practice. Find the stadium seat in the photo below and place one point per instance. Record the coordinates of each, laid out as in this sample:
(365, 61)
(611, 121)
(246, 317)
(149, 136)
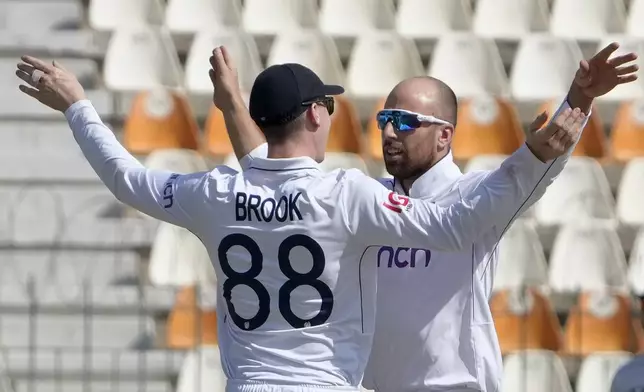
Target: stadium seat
(587, 256)
(141, 58)
(627, 134)
(601, 321)
(94, 386)
(270, 17)
(192, 16)
(597, 371)
(350, 19)
(581, 191)
(543, 67)
(629, 195)
(178, 258)
(535, 371)
(232, 162)
(629, 91)
(486, 125)
(368, 76)
(634, 26)
(40, 16)
(190, 326)
(524, 319)
(107, 15)
(311, 49)
(342, 160)
(346, 132)
(636, 266)
(508, 19)
(176, 160)
(423, 19)
(241, 48)
(160, 119)
(592, 19)
(217, 141)
(373, 144)
(470, 65)
(521, 259)
(202, 371)
(593, 141)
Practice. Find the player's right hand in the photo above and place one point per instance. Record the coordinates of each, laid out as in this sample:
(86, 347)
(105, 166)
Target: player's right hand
(554, 140)
(224, 79)
(51, 84)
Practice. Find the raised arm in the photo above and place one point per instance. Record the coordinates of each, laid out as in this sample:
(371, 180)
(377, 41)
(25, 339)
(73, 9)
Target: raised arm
(377, 216)
(164, 195)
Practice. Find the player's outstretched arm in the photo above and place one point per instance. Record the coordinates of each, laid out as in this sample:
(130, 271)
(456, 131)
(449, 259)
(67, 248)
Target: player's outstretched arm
(245, 135)
(156, 193)
(379, 217)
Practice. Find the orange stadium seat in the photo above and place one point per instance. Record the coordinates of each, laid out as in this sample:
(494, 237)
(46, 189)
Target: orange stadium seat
(524, 319)
(217, 140)
(627, 135)
(346, 132)
(188, 325)
(373, 146)
(593, 141)
(486, 126)
(158, 120)
(600, 322)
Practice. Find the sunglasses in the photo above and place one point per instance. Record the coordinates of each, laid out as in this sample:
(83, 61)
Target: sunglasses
(327, 102)
(404, 120)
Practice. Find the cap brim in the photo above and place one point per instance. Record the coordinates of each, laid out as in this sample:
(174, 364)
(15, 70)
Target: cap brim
(331, 89)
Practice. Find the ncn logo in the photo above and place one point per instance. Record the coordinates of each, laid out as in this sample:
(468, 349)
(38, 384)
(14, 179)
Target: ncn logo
(396, 202)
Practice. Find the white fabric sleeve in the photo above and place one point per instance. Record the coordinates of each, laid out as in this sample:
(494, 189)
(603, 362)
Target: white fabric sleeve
(163, 195)
(377, 216)
(260, 152)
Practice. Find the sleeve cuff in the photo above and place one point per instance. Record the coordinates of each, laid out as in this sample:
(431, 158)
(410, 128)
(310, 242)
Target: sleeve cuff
(75, 108)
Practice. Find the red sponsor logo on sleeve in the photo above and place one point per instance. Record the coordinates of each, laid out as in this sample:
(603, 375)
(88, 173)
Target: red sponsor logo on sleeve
(396, 202)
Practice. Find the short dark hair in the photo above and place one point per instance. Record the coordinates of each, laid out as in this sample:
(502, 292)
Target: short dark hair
(282, 132)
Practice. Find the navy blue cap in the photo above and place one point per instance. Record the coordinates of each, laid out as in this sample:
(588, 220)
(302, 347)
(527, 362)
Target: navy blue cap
(280, 90)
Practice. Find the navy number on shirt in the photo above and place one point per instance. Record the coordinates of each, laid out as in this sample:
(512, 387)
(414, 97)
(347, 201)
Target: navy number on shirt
(295, 279)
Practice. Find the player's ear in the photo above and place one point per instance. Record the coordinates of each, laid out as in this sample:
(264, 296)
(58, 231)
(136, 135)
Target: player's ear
(444, 137)
(313, 115)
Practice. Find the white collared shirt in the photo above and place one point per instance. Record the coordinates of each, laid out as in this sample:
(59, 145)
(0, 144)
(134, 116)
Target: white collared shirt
(291, 248)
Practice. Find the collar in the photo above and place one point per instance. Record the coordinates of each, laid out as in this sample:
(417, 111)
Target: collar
(435, 180)
(285, 164)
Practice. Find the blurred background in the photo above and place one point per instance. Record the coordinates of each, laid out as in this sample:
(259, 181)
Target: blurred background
(97, 297)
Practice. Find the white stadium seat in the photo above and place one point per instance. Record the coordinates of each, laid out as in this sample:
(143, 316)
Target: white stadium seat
(352, 18)
(179, 258)
(368, 76)
(629, 195)
(241, 48)
(270, 17)
(93, 386)
(535, 371)
(192, 16)
(141, 58)
(484, 162)
(107, 15)
(587, 257)
(630, 91)
(636, 266)
(581, 191)
(521, 259)
(510, 19)
(422, 19)
(597, 371)
(543, 67)
(470, 65)
(309, 48)
(176, 160)
(342, 160)
(634, 26)
(232, 162)
(39, 16)
(592, 19)
(202, 371)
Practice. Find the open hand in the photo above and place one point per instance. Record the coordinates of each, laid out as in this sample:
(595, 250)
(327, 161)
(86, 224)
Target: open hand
(51, 84)
(558, 137)
(601, 74)
(224, 79)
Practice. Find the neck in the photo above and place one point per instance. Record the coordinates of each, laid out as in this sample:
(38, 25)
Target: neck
(294, 147)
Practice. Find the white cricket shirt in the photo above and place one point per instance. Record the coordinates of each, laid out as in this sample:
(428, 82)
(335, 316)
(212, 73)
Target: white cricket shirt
(288, 243)
(434, 327)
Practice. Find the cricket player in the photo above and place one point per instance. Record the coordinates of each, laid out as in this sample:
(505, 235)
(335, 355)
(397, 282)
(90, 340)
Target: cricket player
(288, 241)
(434, 330)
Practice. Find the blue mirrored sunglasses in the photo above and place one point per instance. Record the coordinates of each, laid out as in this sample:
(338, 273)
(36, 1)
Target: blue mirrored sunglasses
(404, 120)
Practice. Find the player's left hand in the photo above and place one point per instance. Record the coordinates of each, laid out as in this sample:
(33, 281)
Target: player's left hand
(51, 84)
(601, 74)
(555, 139)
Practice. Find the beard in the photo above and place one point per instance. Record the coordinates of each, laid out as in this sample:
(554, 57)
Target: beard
(402, 168)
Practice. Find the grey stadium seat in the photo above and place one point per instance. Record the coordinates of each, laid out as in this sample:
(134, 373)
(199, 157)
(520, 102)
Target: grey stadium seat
(76, 331)
(30, 15)
(58, 43)
(94, 386)
(53, 137)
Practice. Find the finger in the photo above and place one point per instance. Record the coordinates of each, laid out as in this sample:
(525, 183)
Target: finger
(605, 53)
(571, 120)
(37, 63)
(32, 92)
(26, 77)
(627, 69)
(58, 65)
(584, 68)
(211, 73)
(539, 121)
(623, 59)
(227, 58)
(556, 124)
(26, 68)
(220, 63)
(626, 78)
